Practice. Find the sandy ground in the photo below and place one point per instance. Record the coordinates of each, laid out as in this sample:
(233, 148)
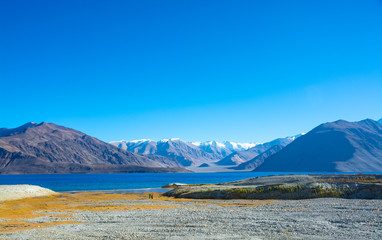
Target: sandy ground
(14, 192)
(92, 215)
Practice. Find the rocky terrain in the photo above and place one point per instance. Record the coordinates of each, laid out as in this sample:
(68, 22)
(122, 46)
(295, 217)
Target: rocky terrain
(134, 216)
(286, 187)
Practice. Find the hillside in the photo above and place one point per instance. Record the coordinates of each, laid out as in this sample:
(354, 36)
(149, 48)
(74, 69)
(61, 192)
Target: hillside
(260, 159)
(50, 148)
(185, 153)
(339, 146)
(240, 157)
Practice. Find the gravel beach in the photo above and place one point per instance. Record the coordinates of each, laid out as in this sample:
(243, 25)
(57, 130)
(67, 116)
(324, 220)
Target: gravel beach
(134, 216)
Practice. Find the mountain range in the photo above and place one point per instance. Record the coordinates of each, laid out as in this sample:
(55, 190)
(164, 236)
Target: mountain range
(259, 159)
(240, 157)
(197, 153)
(331, 147)
(184, 152)
(49, 148)
(338, 146)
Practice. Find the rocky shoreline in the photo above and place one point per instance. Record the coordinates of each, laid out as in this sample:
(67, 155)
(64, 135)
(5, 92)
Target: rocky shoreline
(112, 215)
(364, 186)
(135, 216)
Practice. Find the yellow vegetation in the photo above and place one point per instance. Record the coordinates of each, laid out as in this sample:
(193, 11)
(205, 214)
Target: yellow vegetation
(247, 204)
(14, 214)
(67, 204)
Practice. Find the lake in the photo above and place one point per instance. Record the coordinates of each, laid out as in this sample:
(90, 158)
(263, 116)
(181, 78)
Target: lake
(127, 182)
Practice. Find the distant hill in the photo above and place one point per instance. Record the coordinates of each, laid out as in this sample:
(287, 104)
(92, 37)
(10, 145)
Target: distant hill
(240, 157)
(380, 121)
(337, 146)
(185, 153)
(222, 149)
(216, 149)
(260, 159)
(188, 154)
(49, 148)
(204, 165)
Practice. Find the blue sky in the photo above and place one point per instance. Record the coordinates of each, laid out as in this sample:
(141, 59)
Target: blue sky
(196, 70)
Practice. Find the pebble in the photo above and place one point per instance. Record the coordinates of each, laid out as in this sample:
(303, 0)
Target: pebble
(329, 218)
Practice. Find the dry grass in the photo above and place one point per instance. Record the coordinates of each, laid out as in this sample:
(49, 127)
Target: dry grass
(119, 207)
(247, 204)
(16, 211)
(60, 208)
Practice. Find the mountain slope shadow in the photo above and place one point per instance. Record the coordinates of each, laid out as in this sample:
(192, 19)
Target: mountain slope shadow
(312, 152)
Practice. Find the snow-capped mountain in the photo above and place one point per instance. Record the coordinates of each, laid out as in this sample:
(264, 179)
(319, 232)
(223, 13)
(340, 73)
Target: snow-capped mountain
(144, 146)
(259, 159)
(232, 146)
(222, 149)
(196, 153)
(189, 154)
(240, 157)
(186, 153)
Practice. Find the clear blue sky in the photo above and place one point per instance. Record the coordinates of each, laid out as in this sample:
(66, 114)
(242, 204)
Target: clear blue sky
(196, 70)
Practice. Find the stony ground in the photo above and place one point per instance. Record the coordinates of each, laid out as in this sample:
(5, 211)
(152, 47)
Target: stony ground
(134, 216)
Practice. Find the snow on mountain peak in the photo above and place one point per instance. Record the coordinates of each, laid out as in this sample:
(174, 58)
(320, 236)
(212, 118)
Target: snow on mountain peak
(295, 136)
(226, 144)
(171, 139)
(232, 146)
(141, 140)
(238, 146)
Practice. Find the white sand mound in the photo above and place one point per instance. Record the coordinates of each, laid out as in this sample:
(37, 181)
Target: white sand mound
(13, 192)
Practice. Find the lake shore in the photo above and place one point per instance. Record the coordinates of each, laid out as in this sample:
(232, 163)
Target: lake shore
(291, 187)
(100, 215)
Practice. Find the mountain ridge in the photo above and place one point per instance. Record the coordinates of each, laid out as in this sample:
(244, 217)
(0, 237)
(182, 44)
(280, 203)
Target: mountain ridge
(50, 148)
(240, 157)
(197, 153)
(259, 159)
(184, 152)
(331, 147)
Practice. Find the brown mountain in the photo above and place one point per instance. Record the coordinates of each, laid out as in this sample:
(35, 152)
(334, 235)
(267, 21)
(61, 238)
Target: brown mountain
(49, 148)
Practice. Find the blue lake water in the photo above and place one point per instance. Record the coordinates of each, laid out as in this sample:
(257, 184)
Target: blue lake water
(126, 182)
